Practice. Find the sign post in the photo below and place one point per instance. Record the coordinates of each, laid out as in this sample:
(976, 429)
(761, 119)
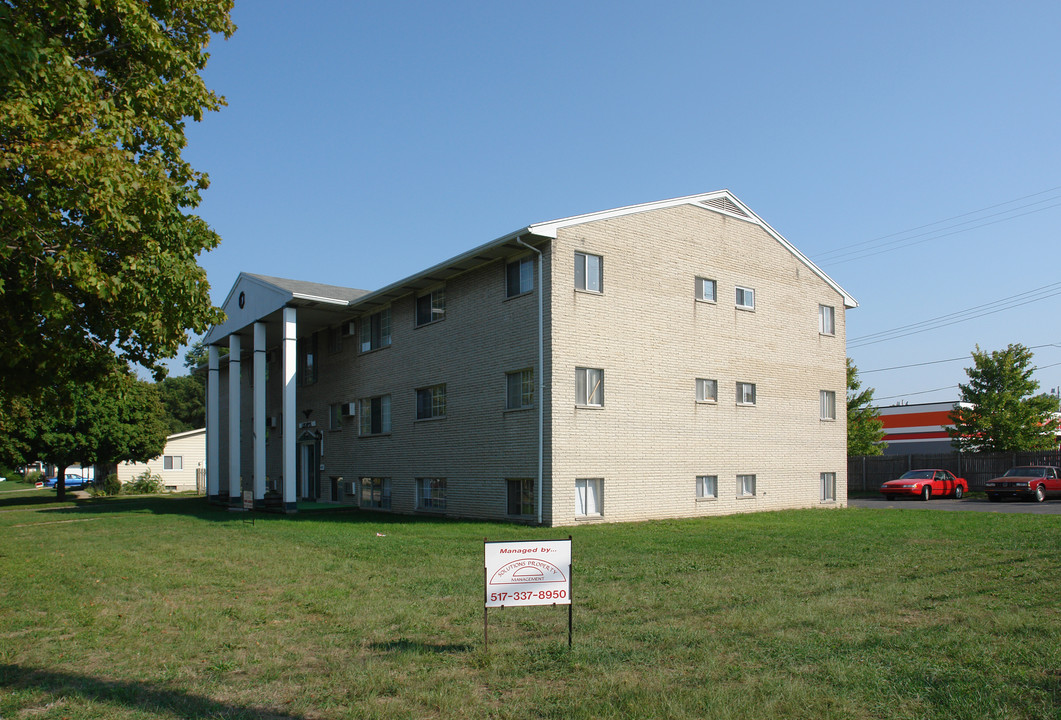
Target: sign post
(527, 572)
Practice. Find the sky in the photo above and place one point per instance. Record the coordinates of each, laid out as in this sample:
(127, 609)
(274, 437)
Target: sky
(911, 150)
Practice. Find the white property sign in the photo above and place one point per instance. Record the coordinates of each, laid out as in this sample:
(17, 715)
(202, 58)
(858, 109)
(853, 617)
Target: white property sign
(528, 572)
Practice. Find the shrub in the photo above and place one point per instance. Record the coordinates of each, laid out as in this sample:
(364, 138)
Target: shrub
(145, 483)
(33, 477)
(109, 485)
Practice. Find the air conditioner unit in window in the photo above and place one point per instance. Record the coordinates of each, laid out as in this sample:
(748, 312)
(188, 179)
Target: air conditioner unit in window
(349, 409)
(349, 328)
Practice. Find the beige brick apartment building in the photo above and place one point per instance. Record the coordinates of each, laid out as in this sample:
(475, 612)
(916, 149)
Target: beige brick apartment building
(671, 359)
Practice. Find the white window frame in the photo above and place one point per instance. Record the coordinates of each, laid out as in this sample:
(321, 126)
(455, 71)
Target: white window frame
(369, 341)
(431, 402)
(826, 320)
(702, 286)
(519, 277)
(589, 497)
(828, 487)
(431, 493)
(378, 491)
(589, 272)
(365, 426)
(589, 387)
(706, 390)
(746, 393)
(435, 306)
(519, 384)
(827, 403)
(746, 485)
(172, 462)
(744, 297)
(707, 487)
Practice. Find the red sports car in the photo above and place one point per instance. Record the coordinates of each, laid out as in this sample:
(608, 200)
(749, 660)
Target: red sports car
(1034, 482)
(926, 483)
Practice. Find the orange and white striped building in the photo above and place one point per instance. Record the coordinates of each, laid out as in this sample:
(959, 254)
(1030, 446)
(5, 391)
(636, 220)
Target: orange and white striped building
(920, 428)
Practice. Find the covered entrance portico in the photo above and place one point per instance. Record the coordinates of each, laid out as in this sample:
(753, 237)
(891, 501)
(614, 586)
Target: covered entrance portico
(272, 313)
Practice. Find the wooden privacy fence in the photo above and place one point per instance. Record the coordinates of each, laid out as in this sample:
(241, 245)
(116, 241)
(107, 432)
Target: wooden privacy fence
(866, 473)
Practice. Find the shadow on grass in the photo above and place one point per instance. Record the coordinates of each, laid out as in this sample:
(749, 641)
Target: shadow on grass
(200, 508)
(146, 697)
(412, 646)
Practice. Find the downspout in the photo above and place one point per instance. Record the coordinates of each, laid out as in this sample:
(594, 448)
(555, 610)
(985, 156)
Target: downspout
(540, 374)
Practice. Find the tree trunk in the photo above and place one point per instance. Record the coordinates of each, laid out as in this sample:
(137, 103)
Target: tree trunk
(60, 482)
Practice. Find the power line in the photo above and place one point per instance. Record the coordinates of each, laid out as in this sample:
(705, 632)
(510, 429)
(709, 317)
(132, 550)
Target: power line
(958, 316)
(937, 362)
(850, 249)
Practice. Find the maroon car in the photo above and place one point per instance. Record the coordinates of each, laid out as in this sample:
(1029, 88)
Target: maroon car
(926, 484)
(1034, 482)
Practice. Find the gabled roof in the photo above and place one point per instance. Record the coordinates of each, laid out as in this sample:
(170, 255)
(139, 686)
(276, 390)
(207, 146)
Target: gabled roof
(254, 297)
(270, 294)
(720, 201)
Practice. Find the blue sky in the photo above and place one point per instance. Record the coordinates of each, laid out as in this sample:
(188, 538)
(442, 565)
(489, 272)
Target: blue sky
(364, 141)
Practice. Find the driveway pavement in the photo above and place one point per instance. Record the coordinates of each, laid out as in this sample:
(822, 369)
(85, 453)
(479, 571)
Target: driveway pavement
(1050, 507)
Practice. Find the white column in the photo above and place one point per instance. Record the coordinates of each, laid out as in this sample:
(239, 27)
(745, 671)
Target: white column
(259, 414)
(234, 449)
(213, 425)
(289, 415)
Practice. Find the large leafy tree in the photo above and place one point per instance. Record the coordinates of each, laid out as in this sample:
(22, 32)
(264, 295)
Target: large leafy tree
(865, 431)
(1001, 411)
(98, 252)
(118, 418)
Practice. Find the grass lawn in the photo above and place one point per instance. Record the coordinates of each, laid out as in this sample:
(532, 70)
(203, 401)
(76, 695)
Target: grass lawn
(167, 608)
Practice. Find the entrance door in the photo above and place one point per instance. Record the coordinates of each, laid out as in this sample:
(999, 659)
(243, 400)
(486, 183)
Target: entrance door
(309, 482)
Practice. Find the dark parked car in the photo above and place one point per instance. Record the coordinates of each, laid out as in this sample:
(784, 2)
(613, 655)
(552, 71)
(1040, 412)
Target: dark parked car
(73, 482)
(926, 484)
(1033, 482)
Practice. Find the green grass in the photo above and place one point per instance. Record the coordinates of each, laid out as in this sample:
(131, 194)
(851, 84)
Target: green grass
(167, 608)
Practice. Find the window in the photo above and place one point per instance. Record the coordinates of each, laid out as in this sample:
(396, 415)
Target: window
(589, 387)
(745, 393)
(431, 402)
(519, 277)
(520, 390)
(376, 493)
(431, 493)
(707, 486)
(335, 340)
(335, 416)
(828, 405)
(828, 487)
(307, 350)
(826, 320)
(745, 298)
(172, 462)
(706, 390)
(376, 330)
(431, 307)
(589, 272)
(588, 499)
(521, 497)
(376, 415)
(706, 289)
(745, 486)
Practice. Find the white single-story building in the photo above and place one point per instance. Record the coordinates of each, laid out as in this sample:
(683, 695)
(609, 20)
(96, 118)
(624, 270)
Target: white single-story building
(183, 458)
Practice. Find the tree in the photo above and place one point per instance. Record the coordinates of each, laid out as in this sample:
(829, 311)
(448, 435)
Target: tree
(98, 252)
(117, 419)
(865, 431)
(184, 402)
(1000, 411)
